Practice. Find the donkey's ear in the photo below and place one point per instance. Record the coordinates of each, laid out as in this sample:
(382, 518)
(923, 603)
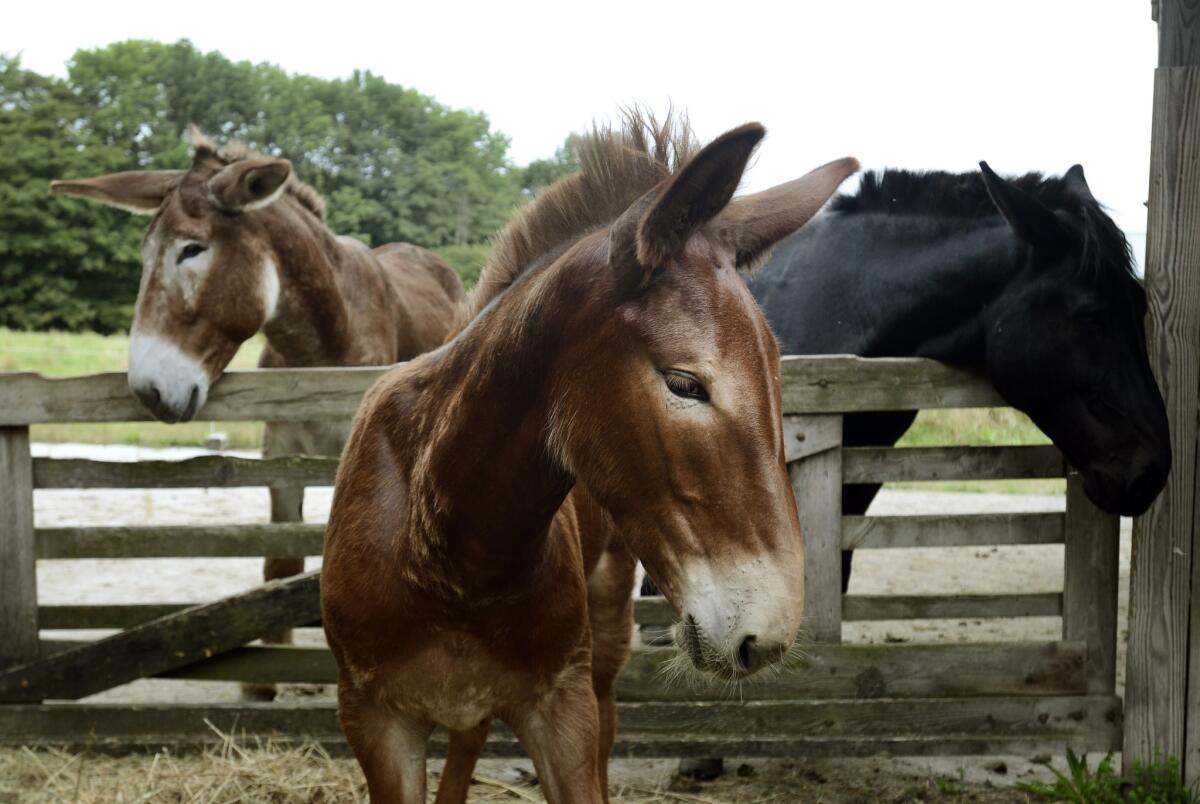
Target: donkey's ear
(1077, 184)
(1030, 219)
(656, 228)
(249, 184)
(753, 224)
(140, 191)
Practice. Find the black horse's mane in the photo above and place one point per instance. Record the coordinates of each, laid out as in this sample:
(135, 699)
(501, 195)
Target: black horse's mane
(1106, 254)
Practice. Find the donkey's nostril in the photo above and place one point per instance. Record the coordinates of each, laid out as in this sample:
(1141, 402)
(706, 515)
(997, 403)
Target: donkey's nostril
(746, 654)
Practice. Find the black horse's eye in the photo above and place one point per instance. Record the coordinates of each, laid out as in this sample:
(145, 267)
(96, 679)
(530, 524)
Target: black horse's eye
(189, 251)
(685, 385)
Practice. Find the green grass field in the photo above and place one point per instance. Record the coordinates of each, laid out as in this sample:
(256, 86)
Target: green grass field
(61, 354)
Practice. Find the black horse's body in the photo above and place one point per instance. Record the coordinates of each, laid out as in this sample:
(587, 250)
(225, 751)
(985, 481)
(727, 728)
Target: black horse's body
(1027, 282)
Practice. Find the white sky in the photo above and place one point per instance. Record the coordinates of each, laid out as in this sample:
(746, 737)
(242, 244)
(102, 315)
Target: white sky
(1024, 84)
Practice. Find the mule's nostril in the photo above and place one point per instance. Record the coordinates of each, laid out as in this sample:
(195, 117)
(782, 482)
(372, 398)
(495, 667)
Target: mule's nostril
(746, 654)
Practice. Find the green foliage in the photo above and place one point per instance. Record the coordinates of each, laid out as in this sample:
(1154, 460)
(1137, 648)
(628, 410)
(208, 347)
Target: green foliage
(1155, 783)
(951, 785)
(393, 165)
(467, 260)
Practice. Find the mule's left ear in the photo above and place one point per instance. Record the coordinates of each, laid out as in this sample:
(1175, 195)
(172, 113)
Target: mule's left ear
(1030, 219)
(249, 184)
(753, 224)
(656, 229)
(1077, 183)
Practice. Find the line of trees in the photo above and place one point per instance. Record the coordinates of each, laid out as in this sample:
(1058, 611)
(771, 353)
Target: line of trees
(393, 165)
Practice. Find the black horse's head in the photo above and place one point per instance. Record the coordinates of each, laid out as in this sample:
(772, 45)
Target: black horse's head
(1067, 344)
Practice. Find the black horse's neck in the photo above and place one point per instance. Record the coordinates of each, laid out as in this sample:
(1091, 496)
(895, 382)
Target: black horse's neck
(882, 285)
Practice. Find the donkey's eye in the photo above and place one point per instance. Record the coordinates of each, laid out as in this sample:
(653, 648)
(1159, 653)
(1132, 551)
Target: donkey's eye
(189, 251)
(685, 385)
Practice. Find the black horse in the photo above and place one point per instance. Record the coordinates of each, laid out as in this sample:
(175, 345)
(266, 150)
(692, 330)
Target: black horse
(1025, 281)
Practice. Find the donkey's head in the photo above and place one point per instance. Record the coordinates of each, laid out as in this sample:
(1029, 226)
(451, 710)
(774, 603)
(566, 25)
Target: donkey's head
(1067, 344)
(209, 280)
(670, 408)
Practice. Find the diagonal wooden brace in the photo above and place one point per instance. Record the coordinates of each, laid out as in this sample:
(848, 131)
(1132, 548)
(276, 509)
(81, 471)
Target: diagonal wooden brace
(167, 643)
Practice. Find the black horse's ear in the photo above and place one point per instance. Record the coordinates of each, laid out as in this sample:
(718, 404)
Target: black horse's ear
(1077, 184)
(1030, 219)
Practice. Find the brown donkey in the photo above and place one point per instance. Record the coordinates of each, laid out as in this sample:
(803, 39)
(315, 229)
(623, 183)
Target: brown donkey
(238, 245)
(466, 573)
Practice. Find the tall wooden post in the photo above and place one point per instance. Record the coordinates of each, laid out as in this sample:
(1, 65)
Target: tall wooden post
(18, 579)
(1162, 708)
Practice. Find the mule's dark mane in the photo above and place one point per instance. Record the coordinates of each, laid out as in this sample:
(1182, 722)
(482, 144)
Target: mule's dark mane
(1106, 255)
(616, 168)
(233, 151)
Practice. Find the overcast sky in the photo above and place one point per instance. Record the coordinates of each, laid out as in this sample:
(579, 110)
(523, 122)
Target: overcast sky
(1024, 84)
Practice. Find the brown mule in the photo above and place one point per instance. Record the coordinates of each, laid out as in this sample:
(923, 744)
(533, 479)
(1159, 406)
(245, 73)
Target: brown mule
(617, 379)
(237, 245)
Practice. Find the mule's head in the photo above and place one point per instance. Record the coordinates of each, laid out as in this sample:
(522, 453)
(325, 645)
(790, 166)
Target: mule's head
(670, 410)
(209, 280)
(1067, 344)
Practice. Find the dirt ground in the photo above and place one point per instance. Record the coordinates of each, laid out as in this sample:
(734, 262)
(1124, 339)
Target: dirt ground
(915, 571)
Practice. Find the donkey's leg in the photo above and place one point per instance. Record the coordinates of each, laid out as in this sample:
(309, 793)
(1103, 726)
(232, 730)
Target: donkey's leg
(610, 609)
(561, 734)
(461, 756)
(390, 748)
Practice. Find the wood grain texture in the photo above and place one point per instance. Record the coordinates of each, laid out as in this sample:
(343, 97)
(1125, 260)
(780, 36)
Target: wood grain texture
(1178, 40)
(827, 671)
(276, 540)
(169, 642)
(18, 576)
(817, 485)
(823, 384)
(1091, 567)
(941, 530)
(206, 471)
(1163, 542)
(913, 464)
(818, 728)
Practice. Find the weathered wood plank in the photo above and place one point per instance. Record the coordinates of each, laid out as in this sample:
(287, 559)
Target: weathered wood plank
(822, 384)
(950, 607)
(829, 671)
(647, 611)
(207, 471)
(169, 642)
(257, 395)
(913, 464)
(880, 671)
(647, 729)
(276, 540)
(841, 384)
(1090, 572)
(962, 530)
(1157, 657)
(817, 485)
(804, 436)
(18, 577)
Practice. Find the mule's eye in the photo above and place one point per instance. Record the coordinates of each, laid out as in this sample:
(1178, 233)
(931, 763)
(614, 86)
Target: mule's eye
(684, 385)
(189, 251)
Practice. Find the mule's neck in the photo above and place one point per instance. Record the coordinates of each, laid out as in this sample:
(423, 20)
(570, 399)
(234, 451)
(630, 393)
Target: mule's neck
(319, 278)
(483, 419)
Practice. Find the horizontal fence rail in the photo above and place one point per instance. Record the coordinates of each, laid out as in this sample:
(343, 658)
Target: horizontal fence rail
(826, 384)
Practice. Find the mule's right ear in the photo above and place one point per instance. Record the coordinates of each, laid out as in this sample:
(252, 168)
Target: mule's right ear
(656, 228)
(140, 191)
(1030, 219)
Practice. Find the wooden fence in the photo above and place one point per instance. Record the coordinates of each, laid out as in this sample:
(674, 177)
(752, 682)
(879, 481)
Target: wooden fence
(842, 699)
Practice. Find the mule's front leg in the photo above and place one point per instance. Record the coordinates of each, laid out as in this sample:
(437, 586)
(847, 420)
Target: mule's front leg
(465, 748)
(390, 748)
(562, 735)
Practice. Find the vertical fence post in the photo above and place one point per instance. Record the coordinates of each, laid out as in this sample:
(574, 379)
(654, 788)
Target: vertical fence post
(18, 577)
(814, 451)
(1090, 572)
(1162, 707)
